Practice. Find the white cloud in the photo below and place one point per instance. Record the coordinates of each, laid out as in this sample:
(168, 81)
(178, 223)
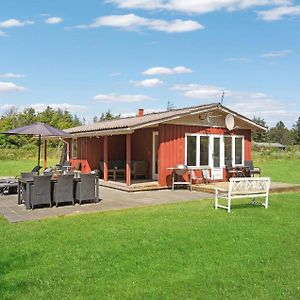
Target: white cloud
(116, 98)
(3, 34)
(63, 106)
(6, 87)
(196, 6)
(54, 20)
(278, 13)
(247, 103)
(134, 22)
(167, 71)
(14, 23)
(12, 75)
(280, 53)
(148, 83)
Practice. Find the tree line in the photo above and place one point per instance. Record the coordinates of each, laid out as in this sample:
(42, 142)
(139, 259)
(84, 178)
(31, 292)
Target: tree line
(279, 133)
(58, 118)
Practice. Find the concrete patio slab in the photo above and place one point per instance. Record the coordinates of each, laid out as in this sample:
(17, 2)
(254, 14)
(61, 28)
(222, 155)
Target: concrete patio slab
(110, 200)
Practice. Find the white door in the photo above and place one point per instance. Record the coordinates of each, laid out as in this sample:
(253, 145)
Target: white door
(217, 154)
(155, 146)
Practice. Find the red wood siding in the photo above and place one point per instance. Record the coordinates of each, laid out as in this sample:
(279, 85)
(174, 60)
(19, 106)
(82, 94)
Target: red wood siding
(90, 150)
(142, 146)
(172, 146)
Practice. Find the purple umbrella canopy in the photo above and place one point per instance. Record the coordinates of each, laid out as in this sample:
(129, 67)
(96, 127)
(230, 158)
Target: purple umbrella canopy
(39, 130)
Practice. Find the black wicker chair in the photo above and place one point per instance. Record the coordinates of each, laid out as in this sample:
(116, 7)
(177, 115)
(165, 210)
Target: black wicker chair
(251, 170)
(86, 189)
(40, 191)
(28, 176)
(64, 189)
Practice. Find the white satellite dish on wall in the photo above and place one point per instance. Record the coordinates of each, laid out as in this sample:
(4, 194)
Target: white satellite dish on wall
(229, 122)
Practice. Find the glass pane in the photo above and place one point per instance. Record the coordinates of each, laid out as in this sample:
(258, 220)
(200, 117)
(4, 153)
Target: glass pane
(216, 152)
(228, 151)
(238, 151)
(191, 151)
(74, 148)
(204, 151)
(156, 141)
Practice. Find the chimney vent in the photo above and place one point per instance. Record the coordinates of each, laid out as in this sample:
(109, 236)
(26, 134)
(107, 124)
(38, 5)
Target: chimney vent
(141, 112)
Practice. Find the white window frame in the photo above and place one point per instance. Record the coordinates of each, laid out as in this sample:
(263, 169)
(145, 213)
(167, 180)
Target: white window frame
(222, 149)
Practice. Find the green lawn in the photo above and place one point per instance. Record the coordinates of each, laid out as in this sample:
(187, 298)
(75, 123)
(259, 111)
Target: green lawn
(178, 251)
(15, 167)
(281, 170)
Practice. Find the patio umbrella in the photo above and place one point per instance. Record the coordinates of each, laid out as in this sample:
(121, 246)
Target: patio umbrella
(39, 130)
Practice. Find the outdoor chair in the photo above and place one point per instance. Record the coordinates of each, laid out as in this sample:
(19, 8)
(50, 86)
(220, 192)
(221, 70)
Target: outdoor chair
(86, 189)
(194, 178)
(63, 190)
(27, 176)
(233, 171)
(36, 169)
(207, 177)
(139, 169)
(250, 169)
(40, 191)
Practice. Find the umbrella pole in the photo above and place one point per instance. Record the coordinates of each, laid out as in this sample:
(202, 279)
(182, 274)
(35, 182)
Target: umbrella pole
(45, 154)
(39, 153)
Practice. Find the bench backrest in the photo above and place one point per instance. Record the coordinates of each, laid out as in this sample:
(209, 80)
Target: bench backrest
(249, 184)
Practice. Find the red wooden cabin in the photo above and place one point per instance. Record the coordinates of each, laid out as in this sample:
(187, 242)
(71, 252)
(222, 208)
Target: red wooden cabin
(196, 136)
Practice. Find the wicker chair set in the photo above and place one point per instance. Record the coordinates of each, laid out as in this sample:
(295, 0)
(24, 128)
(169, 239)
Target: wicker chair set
(43, 190)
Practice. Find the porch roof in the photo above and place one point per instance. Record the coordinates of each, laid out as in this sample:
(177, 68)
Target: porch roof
(129, 124)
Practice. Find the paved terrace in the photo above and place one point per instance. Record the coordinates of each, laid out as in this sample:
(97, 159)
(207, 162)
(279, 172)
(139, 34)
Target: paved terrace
(111, 199)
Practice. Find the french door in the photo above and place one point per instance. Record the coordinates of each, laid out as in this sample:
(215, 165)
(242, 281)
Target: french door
(217, 157)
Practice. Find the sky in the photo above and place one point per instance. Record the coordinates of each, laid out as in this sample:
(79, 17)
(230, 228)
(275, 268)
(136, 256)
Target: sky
(121, 55)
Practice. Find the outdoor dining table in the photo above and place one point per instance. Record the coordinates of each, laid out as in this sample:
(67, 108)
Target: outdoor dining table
(25, 183)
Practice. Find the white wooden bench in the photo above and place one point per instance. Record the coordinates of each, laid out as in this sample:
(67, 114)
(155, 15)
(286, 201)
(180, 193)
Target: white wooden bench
(249, 187)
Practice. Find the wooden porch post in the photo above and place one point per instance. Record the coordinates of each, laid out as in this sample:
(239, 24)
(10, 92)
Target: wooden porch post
(128, 159)
(105, 160)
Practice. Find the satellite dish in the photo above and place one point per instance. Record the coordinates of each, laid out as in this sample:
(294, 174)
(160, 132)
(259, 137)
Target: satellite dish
(229, 122)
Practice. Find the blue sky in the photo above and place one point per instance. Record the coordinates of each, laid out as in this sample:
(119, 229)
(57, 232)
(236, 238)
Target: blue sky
(91, 56)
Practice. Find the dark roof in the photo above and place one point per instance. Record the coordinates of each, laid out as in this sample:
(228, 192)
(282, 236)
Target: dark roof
(132, 123)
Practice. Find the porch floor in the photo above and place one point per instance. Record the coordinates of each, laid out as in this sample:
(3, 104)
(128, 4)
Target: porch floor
(152, 185)
(136, 185)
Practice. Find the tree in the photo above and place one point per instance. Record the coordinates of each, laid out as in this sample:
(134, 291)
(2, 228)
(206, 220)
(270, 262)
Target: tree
(108, 116)
(296, 131)
(280, 134)
(260, 136)
(170, 105)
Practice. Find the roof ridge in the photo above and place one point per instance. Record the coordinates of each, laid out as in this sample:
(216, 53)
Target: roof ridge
(159, 112)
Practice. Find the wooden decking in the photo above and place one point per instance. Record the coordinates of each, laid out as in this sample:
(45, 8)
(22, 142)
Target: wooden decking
(276, 187)
(151, 185)
(136, 185)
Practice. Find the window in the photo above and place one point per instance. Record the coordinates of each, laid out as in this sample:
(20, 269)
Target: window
(74, 148)
(238, 151)
(191, 150)
(204, 150)
(228, 150)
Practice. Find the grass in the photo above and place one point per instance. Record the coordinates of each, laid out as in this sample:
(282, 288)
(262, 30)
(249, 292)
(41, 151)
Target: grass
(178, 251)
(281, 170)
(15, 167)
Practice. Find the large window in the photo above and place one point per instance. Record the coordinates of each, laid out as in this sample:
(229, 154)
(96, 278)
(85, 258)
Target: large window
(238, 151)
(228, 150)
(204, 150)
(74, 148)
(191, 150)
